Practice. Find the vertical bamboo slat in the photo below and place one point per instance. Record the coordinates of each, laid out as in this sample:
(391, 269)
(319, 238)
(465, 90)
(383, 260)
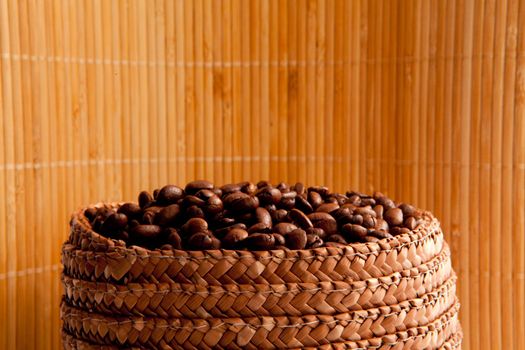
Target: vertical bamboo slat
(423, 100)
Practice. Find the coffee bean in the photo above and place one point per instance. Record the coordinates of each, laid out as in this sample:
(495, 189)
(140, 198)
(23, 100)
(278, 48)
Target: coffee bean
(299, 188)
(407, 209)
(371, 239)
(248, 188)
(354, 199)
(262, 184)
(313, 241)
(268, 195)
(369, 221)
(410, 223)
(324, 221)
(145, 198)
(279, 239)
(381, 225)
(394, 216)
(230, 188)
(122, 235)
(322, 190)
(316, 231)
(149, 214)
(283, 187)
(296, 239)
(114, 222)
(386, 202)
(396, 231)
(342, 216)
(300, 219)
(337, 239)
(195, 186)
(224, 231)
(145, 231)
(241, 202)
(354, 232)
(194, 212)
(173, 238)
(260, 227)
(287, 203)
(191, 200)
(260, 241)
(379, 211)
(90, 213)
(195, 225)
(303, 205)
(328, 207)
(213, 205)
(365, 211)
(263, 216)
(167, 216)
(131, 210)
(203, 241)
(279, 215)
(368, 201)
(379, 234)
(283, 228)
(169, 194)
(233, 237)
(314, 199)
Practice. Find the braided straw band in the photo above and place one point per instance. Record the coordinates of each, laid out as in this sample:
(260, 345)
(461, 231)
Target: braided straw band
(364, 324)
(312, 330)
(233, 300)
(216, 267)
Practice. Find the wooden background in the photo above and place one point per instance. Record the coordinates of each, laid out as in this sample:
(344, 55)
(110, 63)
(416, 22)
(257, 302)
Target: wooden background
(423, 100)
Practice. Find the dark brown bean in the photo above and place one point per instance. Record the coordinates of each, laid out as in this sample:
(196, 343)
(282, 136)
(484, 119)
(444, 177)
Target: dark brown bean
(149, 214)
(114, 222)
(296, 239)
(233, 237)
(230, 188)
(365, 211)
(203, 241)
(386, 202)
(357, 219)
(283, 228)
(354, 232)
(131, 210)
(410, 223)
(394, 216)
(283, 187)
(260, 227)
(190, 200)
(368, 201)
(299, 188)
(300, 219)
(145, 231)
(194, 212)
(303, 205)
(279, 239)
(328, 207)
(379, 234)
(395, 231)
(145, 198)
(122, 235)
(168, 216)
(240, 202)
(381, 225)
(260, 241)
(213, 205)
(313, 241)
(195, 225)
(195, 186)
(336, 238)
(317, 232)
(407, 209)
(287, 203)
(379, 211)
(322, 190)
(324, 221)
(169, 194)
(280, 215)
(90, 213)
(269, 195)
(173, 238)
(263, 216)
(369, 221)
(263, 183)
(248, 188)
(224, 230)
(315, 199)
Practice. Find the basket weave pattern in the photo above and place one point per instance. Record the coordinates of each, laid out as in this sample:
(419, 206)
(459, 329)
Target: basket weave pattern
(397, 293)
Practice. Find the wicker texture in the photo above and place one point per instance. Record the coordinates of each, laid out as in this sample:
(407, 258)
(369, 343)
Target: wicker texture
(397, 293)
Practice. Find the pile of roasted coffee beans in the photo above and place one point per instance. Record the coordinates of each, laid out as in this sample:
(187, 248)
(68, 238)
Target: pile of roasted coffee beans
(252, 216)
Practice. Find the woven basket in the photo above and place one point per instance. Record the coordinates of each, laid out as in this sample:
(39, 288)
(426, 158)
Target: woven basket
(395, 294)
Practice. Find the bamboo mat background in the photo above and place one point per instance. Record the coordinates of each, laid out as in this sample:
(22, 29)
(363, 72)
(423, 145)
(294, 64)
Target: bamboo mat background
(423, 100)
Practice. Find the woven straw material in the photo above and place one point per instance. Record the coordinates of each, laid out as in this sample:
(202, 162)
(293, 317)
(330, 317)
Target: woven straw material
(394, 294)
(280, 332)
(233, 300)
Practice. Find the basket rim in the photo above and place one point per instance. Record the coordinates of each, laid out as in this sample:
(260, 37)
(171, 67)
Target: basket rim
(429, 227)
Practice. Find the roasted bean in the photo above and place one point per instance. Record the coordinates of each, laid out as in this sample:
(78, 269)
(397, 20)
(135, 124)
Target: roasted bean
(233, 237)
(260, 241)
(296, 239)
(195, 186)
(300, 219)
(145, 198)
(283, 228)
(394, 216)
(169, 194)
